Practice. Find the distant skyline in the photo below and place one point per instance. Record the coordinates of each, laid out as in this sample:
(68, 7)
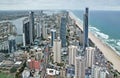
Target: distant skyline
(61, 4)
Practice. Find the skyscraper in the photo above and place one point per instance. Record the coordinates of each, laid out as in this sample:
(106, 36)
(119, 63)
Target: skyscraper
(12, 44)
(103, 73)
(38, 28)
(53, 36)
(63, 31)
(70, 71)
(96, 72)
(85, 29)
(72, 54)
(99, 72)
(39, 25)
(31, 27)
(57, 50)
(24, 43)
(90, 56)
(28, 29)
(80, 67)
(44, 30)
(26, 32)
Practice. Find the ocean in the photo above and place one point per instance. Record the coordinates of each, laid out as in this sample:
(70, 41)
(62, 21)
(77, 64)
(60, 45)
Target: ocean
(105, 25)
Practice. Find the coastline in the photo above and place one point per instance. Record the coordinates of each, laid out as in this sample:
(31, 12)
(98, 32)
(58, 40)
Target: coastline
(108, 52)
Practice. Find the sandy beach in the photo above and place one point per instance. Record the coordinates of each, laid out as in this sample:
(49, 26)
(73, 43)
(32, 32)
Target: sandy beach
(109, 53)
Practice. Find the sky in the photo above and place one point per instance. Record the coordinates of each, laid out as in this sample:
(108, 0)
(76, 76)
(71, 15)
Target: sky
(59, 4)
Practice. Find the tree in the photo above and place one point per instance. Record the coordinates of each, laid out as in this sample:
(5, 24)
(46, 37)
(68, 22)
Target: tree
(13, 69)
(68, 30)
(60, 64)
(7, 55)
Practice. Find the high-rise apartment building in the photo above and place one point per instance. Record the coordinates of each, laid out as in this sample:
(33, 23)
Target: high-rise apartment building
(38, 28)
(72, 52)
(44, 30)
(80, 67)
(90, 51)
(39, 25)
(57, 50)
(7, 29)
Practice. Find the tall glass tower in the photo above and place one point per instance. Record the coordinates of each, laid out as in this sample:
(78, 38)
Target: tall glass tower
(31, 20)
(26, 32)
(63, 31)
(12, 44)
(53, 36)
(85, 29)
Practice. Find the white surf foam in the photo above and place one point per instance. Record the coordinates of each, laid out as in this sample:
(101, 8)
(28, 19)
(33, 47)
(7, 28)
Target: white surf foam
(118, 43)
(93, 29)
(111, 40)
(102, 35)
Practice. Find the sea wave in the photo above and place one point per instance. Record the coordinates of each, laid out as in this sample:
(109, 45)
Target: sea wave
(118, 43)
(111, 46)
(97, 32)
(112, 43)
(102, 35)
(111, 40)
(117, 49)
(93, 28)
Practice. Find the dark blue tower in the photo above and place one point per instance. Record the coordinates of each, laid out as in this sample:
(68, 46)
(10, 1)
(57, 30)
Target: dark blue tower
(26, 31)
(63, 31)
(32, 29)
(53, 36)
(85, 29)
(12, 44)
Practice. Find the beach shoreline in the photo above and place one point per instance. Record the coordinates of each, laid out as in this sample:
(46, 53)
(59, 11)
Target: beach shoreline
(107, 51)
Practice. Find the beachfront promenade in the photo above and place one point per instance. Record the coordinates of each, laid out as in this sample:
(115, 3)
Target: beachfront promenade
(109, 53)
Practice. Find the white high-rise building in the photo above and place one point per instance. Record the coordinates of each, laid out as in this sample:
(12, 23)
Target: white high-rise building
(38, 54)
(72, 54)
(38, 28)
(90, 56)
(80, 67)
(24, 40)
(99, 72)
(96, 72)
(57, 50)
(102, 74)
(44, 30)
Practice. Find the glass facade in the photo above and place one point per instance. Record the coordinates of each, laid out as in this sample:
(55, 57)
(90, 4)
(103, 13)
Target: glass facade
(85, 28)
(63, 31)
(53, 36)
(12, 46)
(26, 33)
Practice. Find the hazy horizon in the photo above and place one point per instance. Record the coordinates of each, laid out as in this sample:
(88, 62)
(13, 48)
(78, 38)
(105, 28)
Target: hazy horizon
(61, 4)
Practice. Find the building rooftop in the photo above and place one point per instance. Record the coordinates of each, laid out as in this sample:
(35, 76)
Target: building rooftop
(18, 62)
(52, 72)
